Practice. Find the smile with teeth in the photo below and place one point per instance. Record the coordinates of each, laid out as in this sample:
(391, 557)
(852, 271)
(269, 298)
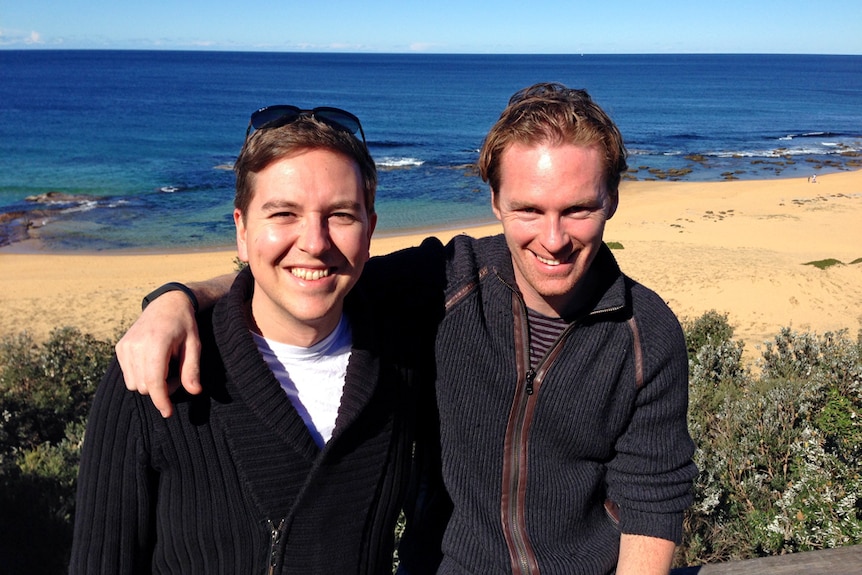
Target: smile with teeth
(547, 261)
(309, 274)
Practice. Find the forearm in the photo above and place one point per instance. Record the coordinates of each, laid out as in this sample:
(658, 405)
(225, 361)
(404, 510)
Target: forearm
(642, 555)
(208, 292)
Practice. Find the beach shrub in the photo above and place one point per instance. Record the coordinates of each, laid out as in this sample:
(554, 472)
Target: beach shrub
(711, 327)
(239, 265)
(823, 264)
(778, 454)
(46, 390)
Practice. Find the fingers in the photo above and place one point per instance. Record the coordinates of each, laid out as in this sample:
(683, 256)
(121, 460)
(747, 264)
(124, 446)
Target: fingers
(190, 362)
(161, 397)
(142, 375)
(165, 330)
(139, 372)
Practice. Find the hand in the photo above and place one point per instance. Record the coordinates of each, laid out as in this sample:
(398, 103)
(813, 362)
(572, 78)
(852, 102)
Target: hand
(165, 331)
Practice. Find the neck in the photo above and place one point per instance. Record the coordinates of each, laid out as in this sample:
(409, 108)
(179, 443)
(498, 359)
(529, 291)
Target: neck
(290, 331)
(571, 305)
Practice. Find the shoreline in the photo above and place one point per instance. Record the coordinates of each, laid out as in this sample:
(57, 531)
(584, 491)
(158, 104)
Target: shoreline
(20, 228)
(738, 247)
(34, 246)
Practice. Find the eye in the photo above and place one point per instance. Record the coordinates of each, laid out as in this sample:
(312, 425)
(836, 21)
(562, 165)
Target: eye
(283, 216)
(581, 212)
(343, 217)
(525, 211)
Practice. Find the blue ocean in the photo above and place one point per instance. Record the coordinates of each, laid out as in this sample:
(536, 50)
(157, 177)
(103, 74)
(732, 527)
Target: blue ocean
(109, 150)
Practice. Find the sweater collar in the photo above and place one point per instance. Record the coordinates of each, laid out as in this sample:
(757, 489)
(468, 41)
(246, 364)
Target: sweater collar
(608, 293)
(251, 380)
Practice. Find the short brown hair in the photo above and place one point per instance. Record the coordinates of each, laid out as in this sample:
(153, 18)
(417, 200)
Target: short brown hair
(267, 145)
(552, 113)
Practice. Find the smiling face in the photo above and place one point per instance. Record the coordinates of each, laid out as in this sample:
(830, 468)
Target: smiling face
(305, 235)
(553, 203)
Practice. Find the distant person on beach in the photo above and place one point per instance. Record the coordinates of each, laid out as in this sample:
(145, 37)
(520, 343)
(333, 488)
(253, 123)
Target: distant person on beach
(297, 457)
(562, 384)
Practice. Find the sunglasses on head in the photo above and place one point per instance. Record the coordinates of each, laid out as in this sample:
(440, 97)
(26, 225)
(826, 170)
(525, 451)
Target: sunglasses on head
(280, 115)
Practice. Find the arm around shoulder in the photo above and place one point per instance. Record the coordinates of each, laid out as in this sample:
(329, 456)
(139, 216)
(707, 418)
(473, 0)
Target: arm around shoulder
(166, 331)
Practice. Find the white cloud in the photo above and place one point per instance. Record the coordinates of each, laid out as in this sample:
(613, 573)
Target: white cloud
(421, 46)
(19, 37)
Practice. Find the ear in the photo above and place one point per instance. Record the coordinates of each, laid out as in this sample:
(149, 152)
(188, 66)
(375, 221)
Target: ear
(241, 244)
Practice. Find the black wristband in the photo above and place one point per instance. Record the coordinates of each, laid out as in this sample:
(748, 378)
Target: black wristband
(172, 286)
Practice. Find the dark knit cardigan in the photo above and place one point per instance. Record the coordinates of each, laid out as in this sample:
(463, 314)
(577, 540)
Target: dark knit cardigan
(547, 467)
(233, 482)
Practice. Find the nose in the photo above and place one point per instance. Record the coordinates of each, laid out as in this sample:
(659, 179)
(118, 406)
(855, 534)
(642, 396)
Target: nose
(553, 235)
(314, 236)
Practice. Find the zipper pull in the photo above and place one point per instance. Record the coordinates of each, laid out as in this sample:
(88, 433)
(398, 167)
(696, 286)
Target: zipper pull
(274, 539)
(531, 375)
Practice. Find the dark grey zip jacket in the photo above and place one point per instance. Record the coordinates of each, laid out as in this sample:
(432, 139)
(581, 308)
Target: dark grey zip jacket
(546, 468)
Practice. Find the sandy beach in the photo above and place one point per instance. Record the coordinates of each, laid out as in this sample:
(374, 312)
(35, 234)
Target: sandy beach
(739, 247)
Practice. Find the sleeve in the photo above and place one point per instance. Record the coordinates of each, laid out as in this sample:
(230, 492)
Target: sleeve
(116, 487)
(650, 478)
(409, 285)
(427, 507)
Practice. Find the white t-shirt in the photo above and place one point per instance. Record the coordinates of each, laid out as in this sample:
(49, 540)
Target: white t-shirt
(312, 377)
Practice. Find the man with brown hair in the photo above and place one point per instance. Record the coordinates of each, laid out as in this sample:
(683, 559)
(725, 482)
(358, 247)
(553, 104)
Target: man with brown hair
(296, 457)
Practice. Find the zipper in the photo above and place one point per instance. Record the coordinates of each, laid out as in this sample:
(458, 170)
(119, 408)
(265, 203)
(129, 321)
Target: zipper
(521, 554)
(514, 493)
(531, 375)
(513, 505)
(275, 534)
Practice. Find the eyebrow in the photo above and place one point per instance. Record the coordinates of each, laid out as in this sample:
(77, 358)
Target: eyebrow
(278, 205)
(286, 204)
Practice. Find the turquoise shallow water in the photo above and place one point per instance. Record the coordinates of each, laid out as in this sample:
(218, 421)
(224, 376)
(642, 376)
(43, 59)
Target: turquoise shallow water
(141, 143)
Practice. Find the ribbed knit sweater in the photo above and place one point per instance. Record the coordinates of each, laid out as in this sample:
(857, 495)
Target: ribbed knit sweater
(547, 467)
(233, 482)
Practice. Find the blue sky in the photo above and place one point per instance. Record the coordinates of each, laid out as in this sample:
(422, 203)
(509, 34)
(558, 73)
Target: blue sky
(498, 26)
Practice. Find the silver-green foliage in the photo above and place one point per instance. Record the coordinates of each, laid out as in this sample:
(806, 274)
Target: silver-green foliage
(778, 451)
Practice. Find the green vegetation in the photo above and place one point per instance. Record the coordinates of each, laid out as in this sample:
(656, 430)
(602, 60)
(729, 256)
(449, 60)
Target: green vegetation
(779, 443)
(778, 452)
(615, 245)
(823, 264)
(238, 264)
(45, 395)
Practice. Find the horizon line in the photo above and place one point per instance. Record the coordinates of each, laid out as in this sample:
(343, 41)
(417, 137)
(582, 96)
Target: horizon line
(10, 48)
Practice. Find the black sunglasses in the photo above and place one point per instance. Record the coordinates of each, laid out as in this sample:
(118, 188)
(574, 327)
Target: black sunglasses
(280, 115)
